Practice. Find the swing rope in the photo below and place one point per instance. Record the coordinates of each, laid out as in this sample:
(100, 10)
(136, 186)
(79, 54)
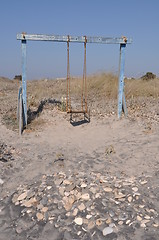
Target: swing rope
(84, 84)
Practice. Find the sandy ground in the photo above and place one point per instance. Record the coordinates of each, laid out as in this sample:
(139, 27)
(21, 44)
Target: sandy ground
(96, 180)
(122, 148)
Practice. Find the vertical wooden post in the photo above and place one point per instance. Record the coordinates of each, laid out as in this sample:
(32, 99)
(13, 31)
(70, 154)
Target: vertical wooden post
(121, 96)
(24, 93)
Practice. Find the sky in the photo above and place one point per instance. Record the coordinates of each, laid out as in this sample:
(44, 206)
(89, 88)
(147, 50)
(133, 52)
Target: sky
(136, 19)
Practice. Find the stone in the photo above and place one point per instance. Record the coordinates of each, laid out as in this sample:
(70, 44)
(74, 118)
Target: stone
(22, 196)
(111, 213)
(98, 195)
(91, 225)
(99, 222)
(107, 230)
(75, 211)
(44, 201)
(1, 181)
(119, 195)
(67, 182)
(104, 202)
(83, 185)
(81, 207)
(139, 218)
(44, 209)
(128, 221)
(88, 216)
(15, 198)
(130, 199)
(135, 189)
(30, 194)
(49, 187)
(120, 222)
(123, 216)
(85, 197)
(39, 216)
(108, 221)
(147, 217)
(78, 221)
(108, 189)
(30, 202)
(143, 182)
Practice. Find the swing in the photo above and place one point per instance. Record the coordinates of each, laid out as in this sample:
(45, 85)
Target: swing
(84, 108)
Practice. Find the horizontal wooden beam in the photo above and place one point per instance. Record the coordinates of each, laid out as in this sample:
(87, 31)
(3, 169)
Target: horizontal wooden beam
(78, 39)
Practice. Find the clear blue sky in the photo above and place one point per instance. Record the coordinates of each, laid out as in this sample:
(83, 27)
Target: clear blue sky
(138, 19)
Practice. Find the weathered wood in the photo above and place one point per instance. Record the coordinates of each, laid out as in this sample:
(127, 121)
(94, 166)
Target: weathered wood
(79, 39)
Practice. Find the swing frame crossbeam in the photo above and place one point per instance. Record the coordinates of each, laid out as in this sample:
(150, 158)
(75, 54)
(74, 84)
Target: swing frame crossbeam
(24, 37)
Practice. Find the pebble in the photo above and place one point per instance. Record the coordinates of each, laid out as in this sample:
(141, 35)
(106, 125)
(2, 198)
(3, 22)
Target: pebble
(83, 185)
(99, 222)
(91, 225)
(78, 221)
(39, 216)
(130, 199)
(22, 196)
(85, 196)
(88, 216)
(1, 181)
(120, 222)
(81, 207)
(139, 218)
(107, 230)
(108, 189)
(135, 189)
(75, 211)
(44, 209)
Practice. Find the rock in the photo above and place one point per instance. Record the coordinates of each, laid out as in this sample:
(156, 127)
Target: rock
(1, 181)
(39, 216)
(108, 221)
(108, 189)
(123, 216)
(143, 182)
(22, 196)
(88, 216)
(83, 185)
(104, 202)
(44, 209)
(30, 194)
(49, 187)
(98, 195)
(75, 211)
(119, 195)
(111, 213)
(44, 201)
(85, 196)
(81, 207)
(147, 217)
(120, 222)
(78, 221)
(99, 222)
(139, 218)
(30, 202)
(107, 231)
(67, 182)
(15, 198)
(128, 221)
(135, 189)
(91, 225)
(130, 199)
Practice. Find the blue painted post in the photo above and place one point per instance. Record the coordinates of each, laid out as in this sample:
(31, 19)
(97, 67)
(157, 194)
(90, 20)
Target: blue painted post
(24, 82)
(121, 96)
